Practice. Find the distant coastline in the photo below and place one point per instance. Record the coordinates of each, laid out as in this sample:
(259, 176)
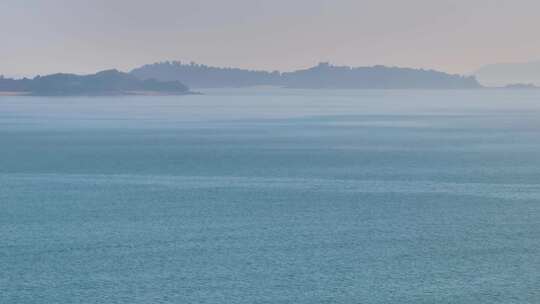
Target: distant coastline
(322, 76)
(105, 83)
(8, 93)
(112, 93)
(176, 78)
(521, 86)
(505, 74)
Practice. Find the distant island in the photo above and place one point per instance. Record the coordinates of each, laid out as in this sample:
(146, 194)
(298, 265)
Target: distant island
(110, 82)
(521, 86)
(321, 76)
(175, 78)
(501, 74)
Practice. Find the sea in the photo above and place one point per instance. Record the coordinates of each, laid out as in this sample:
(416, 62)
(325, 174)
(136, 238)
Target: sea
(265, 195)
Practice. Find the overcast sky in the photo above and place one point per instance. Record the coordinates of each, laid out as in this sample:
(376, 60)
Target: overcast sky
(45, 36)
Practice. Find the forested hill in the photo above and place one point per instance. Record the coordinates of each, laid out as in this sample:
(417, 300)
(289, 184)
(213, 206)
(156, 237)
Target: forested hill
(321, 76)
(203, 76)
(110, 82)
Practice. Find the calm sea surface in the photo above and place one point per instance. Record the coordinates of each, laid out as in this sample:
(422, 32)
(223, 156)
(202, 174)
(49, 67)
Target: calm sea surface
(271, 196)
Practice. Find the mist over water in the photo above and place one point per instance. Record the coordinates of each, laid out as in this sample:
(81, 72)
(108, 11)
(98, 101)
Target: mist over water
(268, 196)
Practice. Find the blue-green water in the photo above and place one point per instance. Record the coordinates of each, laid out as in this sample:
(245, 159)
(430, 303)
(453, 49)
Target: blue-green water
(271, 196)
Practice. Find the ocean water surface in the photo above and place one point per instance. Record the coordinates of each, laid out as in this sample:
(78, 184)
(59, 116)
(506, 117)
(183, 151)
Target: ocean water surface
(271, 196)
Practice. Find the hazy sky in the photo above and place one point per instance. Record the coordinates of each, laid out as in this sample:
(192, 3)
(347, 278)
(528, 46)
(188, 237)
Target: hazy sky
(44, 36)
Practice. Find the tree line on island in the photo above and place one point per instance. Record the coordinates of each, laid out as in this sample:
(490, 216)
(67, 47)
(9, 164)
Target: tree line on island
(177, 78)
(321, 76)
(109, 82)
